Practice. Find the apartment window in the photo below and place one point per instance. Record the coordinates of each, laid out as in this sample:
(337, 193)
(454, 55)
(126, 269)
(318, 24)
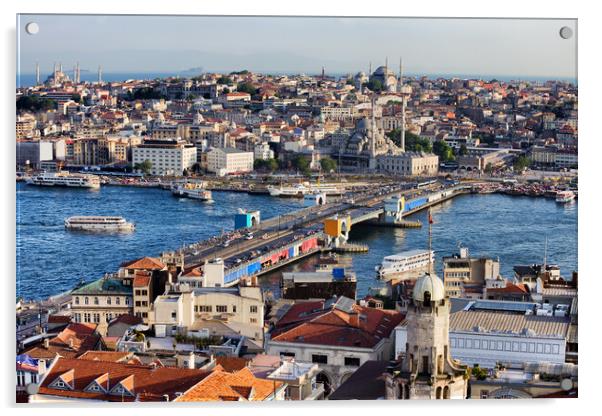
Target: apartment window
(96, 300)
(117, 301)
(352, 361)
(86, 300)
(173, 315)
(138, 292)
(144, 292)
(253, 320)
(108, 301)
(206, 308)
(127, 301)
(137, 304)
(20, 378)
(77, 300)
(484, 394)
(319, 359)
(253, 308)
(221, 308)
(234, 308)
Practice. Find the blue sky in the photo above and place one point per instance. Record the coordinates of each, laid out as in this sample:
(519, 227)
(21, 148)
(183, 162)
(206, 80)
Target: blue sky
(525, 48)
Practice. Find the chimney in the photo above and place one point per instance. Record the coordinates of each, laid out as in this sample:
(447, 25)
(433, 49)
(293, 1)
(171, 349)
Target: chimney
(46, 343)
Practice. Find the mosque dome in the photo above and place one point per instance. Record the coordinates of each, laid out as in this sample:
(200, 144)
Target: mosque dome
(383, 71)
(428, 283)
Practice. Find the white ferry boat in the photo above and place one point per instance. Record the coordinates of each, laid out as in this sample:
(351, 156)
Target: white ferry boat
(99, 223)
(406, 264)
(565, 196)
(192, 190)
(64, 178)
(302, 189)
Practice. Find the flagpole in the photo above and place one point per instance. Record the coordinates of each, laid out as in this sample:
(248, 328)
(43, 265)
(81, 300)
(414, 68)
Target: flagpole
(430, 241)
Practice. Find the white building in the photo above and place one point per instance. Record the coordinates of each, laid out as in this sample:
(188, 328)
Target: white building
(167, 157)
(262, 151)
(229, 160)
(490, 332)
(240, 308)
(409, 164)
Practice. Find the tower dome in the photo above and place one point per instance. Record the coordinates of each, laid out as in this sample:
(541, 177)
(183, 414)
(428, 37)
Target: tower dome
(428, 283)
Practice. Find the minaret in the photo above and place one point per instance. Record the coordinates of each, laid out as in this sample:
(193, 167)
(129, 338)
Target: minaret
(76, 76)
(373, 133)
(61, 67)
(404, 99)
(322, 73)
(370, 69)
(37, 73)
(99, 74)
(55, 72)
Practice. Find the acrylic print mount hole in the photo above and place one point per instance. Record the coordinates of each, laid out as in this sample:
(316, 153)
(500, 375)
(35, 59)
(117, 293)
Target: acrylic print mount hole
(32, 28)
(566, 32)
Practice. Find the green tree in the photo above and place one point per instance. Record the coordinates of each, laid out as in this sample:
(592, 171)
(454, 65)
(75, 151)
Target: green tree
(521, 163)
(225, 80)
(443, 150)
(374, 85)
(247, 87)
(328, 164)
(145, 167)
(301, 163)
(35, 103)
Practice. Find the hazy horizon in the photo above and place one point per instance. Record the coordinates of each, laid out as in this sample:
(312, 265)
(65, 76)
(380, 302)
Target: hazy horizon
(522, 48)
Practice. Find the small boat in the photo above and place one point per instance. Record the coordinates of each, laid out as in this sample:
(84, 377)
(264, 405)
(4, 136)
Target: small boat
(99, 223)
(192, 190)
(565, 196)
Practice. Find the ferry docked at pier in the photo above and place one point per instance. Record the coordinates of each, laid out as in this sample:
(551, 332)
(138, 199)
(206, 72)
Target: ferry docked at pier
(99, 223)
(302, 189)
(192, 190)
(565, 196)
(64, 178)
(406, 264)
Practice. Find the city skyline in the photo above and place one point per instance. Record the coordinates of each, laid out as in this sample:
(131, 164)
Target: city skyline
(529, 48)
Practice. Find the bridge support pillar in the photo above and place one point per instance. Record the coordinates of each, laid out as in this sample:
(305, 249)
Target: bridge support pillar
(337, 230)
(393, 211)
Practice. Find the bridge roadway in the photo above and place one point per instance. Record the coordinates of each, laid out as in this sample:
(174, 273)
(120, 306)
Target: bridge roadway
(280, 230)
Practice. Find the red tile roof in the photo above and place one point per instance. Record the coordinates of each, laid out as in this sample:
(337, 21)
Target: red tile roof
(112, 356)
(361, 327)
(231, 364)
(147, 382)
(142, 278)
(72, 341)
(239, 386)
(144, 263)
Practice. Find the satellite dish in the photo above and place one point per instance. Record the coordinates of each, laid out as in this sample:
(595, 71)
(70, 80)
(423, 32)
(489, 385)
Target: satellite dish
(32, 388)
(566, 384)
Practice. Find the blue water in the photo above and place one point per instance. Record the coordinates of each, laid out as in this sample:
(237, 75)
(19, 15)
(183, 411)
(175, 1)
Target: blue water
(51, 259)
(511, 228)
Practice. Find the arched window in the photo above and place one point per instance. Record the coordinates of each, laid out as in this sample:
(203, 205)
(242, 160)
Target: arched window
(86, 300)
(96, 300)
(77, 300)
(438, 392)
(446, 392)
(427, 298)
(406, 392)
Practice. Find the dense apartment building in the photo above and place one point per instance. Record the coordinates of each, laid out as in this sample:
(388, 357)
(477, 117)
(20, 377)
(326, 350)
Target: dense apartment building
(463, 274)
(167, 157)
(190, 309)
